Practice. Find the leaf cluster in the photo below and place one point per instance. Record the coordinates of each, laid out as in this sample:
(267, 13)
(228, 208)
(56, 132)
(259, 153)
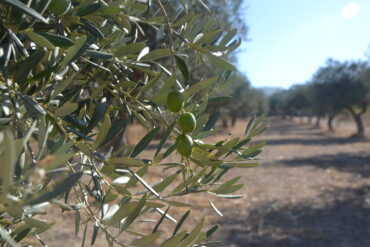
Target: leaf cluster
(70, 84)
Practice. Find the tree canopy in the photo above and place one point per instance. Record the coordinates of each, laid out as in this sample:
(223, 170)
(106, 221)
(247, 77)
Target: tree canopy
(74, 74)
(335, 87)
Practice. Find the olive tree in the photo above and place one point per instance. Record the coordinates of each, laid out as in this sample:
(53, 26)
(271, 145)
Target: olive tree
(74, 74)
(341, 86)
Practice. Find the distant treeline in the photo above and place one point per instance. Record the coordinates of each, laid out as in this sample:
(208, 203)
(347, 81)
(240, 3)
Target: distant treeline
(247, 101)
(337, 87)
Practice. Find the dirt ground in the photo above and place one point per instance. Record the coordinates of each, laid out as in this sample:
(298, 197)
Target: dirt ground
(313, 189)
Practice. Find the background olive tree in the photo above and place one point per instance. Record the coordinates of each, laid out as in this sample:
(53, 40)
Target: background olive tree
(74, 74)
(337, 87)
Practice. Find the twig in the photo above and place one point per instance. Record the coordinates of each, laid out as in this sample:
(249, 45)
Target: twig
(170, 37)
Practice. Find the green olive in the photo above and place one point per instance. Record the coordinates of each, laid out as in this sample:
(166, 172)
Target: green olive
(59, 7)
(175, 101)
(187, 122)
(184, 145)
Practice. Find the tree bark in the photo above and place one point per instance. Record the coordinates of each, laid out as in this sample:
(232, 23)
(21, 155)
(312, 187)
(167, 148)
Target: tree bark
(310, 119)
(224, 123)
(330, 122)
(359, 124)
(233, 121)
(317, 124)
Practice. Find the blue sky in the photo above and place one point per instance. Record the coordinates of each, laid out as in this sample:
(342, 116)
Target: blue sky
(290, 39)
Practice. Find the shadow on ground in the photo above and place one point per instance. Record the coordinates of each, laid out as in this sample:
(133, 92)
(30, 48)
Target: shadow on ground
(358, 163)
(343, 221)
(317, 141)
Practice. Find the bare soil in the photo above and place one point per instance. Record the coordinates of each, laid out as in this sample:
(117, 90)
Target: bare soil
(312, 190)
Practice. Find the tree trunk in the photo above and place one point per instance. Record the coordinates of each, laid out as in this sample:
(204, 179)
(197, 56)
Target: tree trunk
(330, 122)
(359, 124)
(233, 121)
(317, 124)
(310, 119)
(224, 123)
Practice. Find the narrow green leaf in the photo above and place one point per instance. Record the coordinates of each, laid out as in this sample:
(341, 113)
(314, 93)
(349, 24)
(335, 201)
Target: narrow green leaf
(222, 63)
(57, 40)
(41, 225)
(116, 129)
(32, 106)
(62, 85)
(22, 234)
(219, 99)
(94, 30)
(123, 211)
(249, 125)
(72, 51)
(192, 235)
(98, 114)
(179, 204)
(165, 136)
(39, 40)
(77, 222)
(144, 142)
(103, 130)
(134, 214)
(169, 150)
(8, 159)
(212, 121)
(211, 231)
(88, 9)
(56, 190)
(59, 159)
(183, 68)
(173, 242)
(183, 19)
(24, 68)
(208, 37)
(155, 229)
(84, 236)
(161, 97)
(99, 55)
(165, 182)
(132, 48)
(156, 54)
(253, 150)
(25, 9)
(146, 240)
(95, 233)
(242, 143)
(181, 222)
(150, 83)
(66, 109)
(258, 130)
(227, 146)
(200, 86)
(190, 181)
(226, 39)
(241, 164)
